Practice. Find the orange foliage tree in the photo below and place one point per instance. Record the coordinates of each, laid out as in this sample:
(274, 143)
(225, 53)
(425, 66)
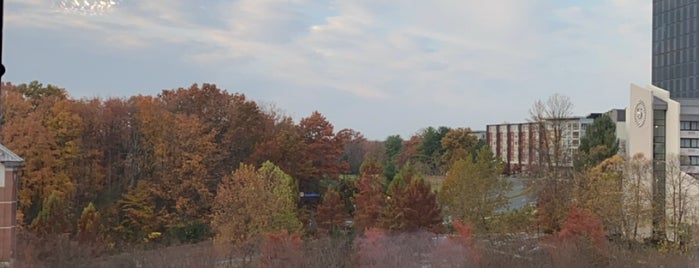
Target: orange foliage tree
(323, 150)
(411, 204)
(89, 225)
(369, 199)
(583, 233)
(331, 212)
(281, 249)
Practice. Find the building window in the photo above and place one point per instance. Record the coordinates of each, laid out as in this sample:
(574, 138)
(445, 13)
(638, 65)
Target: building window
(689, 143)
(689, 125)
(694, 160)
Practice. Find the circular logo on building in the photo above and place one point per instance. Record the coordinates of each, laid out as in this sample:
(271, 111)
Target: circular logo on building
(639, 114)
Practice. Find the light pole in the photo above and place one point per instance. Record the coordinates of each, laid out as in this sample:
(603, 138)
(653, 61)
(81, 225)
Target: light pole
(2, 12)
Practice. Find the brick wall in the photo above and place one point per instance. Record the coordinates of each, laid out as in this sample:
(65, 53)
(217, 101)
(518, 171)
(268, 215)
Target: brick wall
(8, 208)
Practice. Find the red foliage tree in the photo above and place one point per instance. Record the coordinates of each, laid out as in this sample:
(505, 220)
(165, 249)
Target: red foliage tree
(411, 204)
(582, 233)
(581, 223)
(331, 212)
(409, 150)
(281, 249)
(370, 248)
(458, 250)
(369, 199)
(323, 149)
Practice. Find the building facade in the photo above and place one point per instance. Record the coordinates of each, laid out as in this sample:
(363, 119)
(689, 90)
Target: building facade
(9, 164)
(524, 145)
(689, 135)
(675, 50)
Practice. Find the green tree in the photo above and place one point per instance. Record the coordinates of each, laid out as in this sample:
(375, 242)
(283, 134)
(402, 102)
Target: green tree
(283, 197)
(393, 146)
(599, 143)
(474, 189)
(430, 150)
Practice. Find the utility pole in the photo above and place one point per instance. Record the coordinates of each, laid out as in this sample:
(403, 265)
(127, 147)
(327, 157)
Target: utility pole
(2, 12)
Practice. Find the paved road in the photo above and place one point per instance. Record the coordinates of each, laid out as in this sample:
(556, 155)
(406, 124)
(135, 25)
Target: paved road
(519, 194)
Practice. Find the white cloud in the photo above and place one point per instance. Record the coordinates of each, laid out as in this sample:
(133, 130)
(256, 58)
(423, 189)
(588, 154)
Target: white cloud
(463, 56)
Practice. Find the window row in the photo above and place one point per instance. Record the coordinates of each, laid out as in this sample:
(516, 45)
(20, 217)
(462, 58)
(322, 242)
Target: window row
(668, 5)
(689, 125)
(691, 160)
(674, 43)
(686, 86)
(682, 13)
(689, 143)
(671, 30)
(685, 55)
(676, 71)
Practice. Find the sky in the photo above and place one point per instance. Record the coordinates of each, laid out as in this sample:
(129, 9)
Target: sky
(381, 67)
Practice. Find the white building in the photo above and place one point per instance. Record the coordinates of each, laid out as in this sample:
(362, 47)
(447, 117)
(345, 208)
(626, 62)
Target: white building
(665, 132)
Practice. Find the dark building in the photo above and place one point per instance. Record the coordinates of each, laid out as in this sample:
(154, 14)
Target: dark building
(675, 62)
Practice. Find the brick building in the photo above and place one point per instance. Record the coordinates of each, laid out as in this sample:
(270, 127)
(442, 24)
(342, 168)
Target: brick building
(9, 164)
(521, 145)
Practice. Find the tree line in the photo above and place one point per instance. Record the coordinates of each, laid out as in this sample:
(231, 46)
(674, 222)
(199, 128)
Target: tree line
(155, 168)
(202, 164)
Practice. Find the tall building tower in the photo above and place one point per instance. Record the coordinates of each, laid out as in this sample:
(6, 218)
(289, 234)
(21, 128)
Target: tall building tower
(675, 62)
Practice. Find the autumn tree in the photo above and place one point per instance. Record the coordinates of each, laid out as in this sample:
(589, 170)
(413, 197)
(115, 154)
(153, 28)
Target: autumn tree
(411, 204)
(369, 200)
(238, 124)
(600, 190)
(89, 168)
(285, 147)
(474, 190)
(583, 231)
(409, 153)
(138, 213)
(680, 196)
(637, 199)
(281, 249)
(457, 143)
(552, 175)
(331, 213)
(116, 132)
(598, 143)
(54, 217)
(38, 126)
(549, 117)
(176, 148)
(458, 250)
(354, 148)
(251, 202)
(89, 227)
(323, 150)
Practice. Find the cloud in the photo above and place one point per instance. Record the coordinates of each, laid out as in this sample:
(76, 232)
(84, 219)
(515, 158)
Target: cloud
(464, 57)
